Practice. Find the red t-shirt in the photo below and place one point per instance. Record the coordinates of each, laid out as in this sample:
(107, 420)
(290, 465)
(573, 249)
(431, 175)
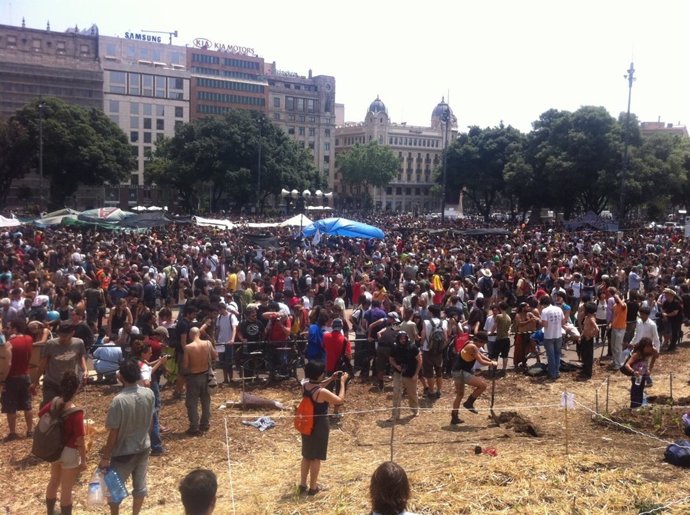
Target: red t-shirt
(276, 332)
(21, 355)
(156, 347)
(73, 427)
(333, 345)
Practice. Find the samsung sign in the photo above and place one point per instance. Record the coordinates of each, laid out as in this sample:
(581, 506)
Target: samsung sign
(207, 44)
(142, 37)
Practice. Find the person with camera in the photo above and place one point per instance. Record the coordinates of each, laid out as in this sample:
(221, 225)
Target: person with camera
(315, 445)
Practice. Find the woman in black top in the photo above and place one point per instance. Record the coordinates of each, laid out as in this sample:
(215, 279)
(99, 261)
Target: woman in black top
(463, 374)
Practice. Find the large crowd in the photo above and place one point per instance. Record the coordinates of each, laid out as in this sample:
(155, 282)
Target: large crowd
(425, 303)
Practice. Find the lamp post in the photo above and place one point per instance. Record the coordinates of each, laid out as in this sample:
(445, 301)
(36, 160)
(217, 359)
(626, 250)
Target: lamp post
(446, 119)
(626, 137)
(300, 200)
(41, 112)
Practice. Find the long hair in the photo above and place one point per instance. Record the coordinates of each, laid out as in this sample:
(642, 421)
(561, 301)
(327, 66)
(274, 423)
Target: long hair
(389, 489)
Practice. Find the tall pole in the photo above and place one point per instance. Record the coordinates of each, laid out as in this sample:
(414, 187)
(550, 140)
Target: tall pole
(41, 108)
(626, 140)
(446, 120)
(258, 168)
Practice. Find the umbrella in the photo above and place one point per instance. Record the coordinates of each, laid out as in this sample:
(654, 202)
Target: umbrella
(343, 227)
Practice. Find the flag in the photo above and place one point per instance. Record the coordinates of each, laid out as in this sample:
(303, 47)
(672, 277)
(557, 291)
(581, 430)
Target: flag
(317, 238)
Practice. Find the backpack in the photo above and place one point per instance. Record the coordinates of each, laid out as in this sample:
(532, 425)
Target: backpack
(436, 338)
(678, 453)
(304, 415)
(49, 440)
(461, 340)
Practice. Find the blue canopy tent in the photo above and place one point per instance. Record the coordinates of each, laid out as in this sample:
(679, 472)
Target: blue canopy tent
(343, 227)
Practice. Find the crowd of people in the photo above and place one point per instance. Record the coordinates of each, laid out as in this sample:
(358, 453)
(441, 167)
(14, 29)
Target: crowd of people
(424, 304)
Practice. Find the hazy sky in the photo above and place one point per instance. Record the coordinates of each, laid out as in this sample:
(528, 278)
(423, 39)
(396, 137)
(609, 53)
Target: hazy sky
(505, 60)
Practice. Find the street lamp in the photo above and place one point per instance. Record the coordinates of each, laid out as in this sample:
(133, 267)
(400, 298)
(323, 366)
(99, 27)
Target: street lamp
(41, 112)
(446, 119)
(300, 199)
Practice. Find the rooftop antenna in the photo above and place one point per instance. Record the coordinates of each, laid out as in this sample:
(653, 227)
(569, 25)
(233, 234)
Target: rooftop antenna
(170, 34)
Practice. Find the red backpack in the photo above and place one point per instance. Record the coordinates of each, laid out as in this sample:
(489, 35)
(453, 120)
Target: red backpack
(304, 416)
(461, 340)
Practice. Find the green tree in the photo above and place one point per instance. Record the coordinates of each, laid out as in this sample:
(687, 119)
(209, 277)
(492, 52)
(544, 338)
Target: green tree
(80, 146)
(368, 165)
(477, 162)
(221, 156)
(15, 146)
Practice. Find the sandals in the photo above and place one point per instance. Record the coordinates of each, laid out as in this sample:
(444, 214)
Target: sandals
(314, 491)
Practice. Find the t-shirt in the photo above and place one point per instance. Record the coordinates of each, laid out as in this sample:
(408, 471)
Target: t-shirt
(131, 412)
(145, 373)
(503, 323)
(252, 330)
(21, 355)
(554, 316)
(314, 349)
(406, 357)
(61, 358)
(333, 345)
(107, 359)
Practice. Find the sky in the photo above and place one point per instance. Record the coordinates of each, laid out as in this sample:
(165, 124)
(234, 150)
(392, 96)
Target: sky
(494, 60)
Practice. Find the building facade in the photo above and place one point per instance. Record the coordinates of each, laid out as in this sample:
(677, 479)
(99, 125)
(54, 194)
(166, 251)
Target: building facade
(146, 92)
(304, 107)
(659, 127)
(419, 150)
(225, 77)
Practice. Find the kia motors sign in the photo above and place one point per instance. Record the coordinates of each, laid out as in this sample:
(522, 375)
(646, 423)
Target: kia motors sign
(207, 44)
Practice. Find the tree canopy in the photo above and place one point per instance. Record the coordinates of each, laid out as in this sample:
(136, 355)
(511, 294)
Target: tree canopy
(368, 165)
(221, 156)
(80, 146)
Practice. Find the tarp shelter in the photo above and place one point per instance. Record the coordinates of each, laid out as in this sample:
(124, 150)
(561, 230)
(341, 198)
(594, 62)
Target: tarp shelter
(145, 220)
(56, 217)
(211, 222)
(104, 214)
(591, 221)
(9, 222)
(343, 227)
(296, 221)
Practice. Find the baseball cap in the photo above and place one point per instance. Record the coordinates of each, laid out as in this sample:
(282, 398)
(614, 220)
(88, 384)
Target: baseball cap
(394, 316)
(337, 324)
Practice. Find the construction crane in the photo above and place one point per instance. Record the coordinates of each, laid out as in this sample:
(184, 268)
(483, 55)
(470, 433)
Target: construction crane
(170, 34)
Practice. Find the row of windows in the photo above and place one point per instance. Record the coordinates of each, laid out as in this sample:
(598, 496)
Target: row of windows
(414, 142)
(224, 84)
(202, 70)
(408, 191)
(228, 61)
(287, 85)
(214, 109)
(230, 99)
(146, 52)
(134, 137)
(297, 104)
(145, 85)
(37, 45)
(134, 109)
(48, 90)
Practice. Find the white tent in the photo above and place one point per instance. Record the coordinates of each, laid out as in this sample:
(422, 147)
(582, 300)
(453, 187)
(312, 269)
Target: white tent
(9, 222)
(210, 222)
(296, 221)
(319, 208)
(138, 208)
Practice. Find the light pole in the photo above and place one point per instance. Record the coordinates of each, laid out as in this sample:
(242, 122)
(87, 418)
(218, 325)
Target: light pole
(258, 166)
(300, 199)
(41, 110)
(626, 138)
(446, 118)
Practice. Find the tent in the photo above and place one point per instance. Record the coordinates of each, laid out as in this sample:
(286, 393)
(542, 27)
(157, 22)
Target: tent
(211, 222)
(56, 217)
(296, 221)
(343, 227)
(9, 222)
(145, 220)
(106, 215)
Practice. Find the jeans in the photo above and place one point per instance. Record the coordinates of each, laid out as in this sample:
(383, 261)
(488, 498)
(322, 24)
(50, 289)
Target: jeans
(617, 336)
(553, 356)
(637, 391)
(197, 390)
(155, 434)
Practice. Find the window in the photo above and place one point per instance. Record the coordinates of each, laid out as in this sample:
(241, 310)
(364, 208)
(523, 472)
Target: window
(291, 130)
(114, 106)
(148, 109)
(310, 105)
(312, 131)
(134, 108)
(36, 44)
(276, 102)
(147, 85)
(147, 123)
(398, 190)
(118, 82)
(176, 88)
(389, 191)
(290, 103)
(147, 137)
(134, 136)
(160, 87)
(160, 124)
(135, 84)
(179, 112)
(178, 123)
(276, 116)
(59, 46)
(84, 49)
(134, 179)
(326, 159)
(301, 131)
(301, 119)
(133, 122)
(131, 52)
(299, 106)
(327, 147)
(160, 110)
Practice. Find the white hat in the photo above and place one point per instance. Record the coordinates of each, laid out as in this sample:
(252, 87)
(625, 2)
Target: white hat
(486, 272)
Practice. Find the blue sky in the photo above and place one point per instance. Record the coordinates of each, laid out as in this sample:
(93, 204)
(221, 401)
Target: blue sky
(498, 60)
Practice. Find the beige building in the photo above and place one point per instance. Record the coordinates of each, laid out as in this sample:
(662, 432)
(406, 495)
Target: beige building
(659, 127)
(419, 149)
(305, 108)
(146, 93)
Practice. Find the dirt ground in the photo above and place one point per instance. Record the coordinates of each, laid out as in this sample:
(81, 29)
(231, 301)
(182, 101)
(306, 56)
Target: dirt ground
(605, 469)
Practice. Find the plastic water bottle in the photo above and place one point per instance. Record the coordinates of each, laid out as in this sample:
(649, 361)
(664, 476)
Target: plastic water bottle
(96, 492)
(116, 489)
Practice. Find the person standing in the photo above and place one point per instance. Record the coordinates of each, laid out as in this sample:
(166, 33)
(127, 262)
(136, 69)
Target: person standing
(15, 394)
(57, 357)
(502, 323)
(589, 333)
(463, 374)
(406, 362)
(315, 445)
(552, 322)
(337, 347)
(226, 330)
(432, 361)
(618, 325)
(128, 446)
(198, 356)
(640, 364)
(72, 461)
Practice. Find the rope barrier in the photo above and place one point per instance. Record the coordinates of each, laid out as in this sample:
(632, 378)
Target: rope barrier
(662, 508)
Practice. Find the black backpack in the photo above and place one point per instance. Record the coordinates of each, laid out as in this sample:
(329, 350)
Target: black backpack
(678, 453)
(49, 441)
(437, 338)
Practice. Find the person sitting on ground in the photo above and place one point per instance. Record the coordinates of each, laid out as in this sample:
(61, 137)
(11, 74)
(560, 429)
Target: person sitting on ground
(198, 491)
(389, 490)
(106, 362)
(462, 374)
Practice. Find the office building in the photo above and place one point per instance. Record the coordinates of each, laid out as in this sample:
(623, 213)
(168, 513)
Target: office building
(304, 107)
(419, 149)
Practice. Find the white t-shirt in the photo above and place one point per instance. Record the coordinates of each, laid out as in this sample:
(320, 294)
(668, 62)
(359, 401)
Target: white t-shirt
(428, 328)
(145, 373)
(225, 325)
(489, 326)
(553, 315)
